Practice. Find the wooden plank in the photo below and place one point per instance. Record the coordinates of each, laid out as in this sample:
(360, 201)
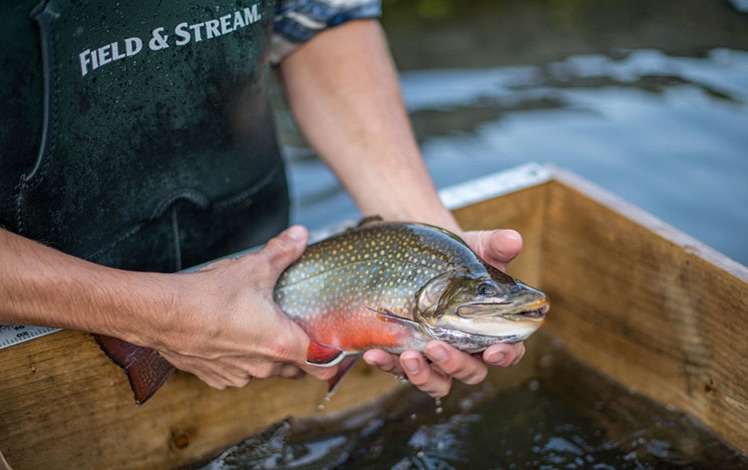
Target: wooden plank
(655, 309)
(62, 401)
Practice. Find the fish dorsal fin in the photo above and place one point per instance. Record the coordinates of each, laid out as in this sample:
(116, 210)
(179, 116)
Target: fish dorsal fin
(321, 355)
(146, 369)
(368, 220)
(499, 276)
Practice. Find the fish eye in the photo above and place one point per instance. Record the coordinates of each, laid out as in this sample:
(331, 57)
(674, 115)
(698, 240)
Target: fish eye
(487, 290)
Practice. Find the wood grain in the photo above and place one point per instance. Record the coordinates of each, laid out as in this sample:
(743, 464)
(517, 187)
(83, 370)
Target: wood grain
(655, 309)
(63, 402)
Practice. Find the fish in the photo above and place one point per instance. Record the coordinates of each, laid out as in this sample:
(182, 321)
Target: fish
(380, 285)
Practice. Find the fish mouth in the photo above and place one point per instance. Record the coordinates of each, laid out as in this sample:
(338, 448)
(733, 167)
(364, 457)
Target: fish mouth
(512, 311)
(500, 321)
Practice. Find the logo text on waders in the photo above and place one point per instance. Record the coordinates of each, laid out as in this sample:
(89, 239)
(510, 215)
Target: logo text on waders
(183, 33)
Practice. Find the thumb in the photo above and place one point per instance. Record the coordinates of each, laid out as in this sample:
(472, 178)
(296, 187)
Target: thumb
(504, 245)
(497, 247)
(285, 248)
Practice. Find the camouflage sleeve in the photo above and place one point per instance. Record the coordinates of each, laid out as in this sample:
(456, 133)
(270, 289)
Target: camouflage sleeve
(297, 21)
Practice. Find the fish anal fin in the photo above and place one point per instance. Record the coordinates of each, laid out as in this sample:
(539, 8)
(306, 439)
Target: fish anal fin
(146, 369)
(322, 355)
(345, 366)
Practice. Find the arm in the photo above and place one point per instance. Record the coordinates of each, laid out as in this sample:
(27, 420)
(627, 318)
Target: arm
(343, 91)
(344, 94)
(194, 320)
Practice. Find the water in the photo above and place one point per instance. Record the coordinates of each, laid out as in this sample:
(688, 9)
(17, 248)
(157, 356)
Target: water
(647, 99)
(562, 415)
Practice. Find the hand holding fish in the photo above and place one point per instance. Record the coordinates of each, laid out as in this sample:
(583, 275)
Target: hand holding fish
(498, 247)
(219, 341)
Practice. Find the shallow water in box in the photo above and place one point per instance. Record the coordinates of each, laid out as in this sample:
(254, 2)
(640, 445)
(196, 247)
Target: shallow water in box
(563, 415)
(647, 99)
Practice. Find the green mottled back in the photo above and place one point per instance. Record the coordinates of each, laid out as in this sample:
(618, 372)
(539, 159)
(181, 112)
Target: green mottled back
(379, 265)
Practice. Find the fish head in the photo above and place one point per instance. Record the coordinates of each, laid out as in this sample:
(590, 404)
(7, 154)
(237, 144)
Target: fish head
(474, 311)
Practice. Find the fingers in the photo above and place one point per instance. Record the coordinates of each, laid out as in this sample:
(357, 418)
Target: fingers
(383, 360)
(504, 355)
(447, 363)
(284, 249)
(462, 366)
(235, 371)
(279, 251)
(433, 378)
(426, 377)
(497, 247)
(504, 245)
(217, 374)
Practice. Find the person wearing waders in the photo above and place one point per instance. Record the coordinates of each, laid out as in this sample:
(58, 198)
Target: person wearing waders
(137, 139)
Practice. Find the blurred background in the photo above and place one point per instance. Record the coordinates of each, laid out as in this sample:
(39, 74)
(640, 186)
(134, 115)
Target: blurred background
(647, 99)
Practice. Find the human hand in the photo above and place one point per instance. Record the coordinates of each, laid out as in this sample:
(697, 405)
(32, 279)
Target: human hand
(497, 247)
(227, 328)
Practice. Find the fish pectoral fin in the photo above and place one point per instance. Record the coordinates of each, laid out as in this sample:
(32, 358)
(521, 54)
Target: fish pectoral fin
(386, 315)
(345, 366)
(146, 369)
(322, 355)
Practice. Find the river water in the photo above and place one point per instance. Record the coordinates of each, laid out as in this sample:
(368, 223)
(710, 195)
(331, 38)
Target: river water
(647, 99)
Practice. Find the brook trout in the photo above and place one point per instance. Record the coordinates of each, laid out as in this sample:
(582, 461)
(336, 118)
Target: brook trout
(387, 285)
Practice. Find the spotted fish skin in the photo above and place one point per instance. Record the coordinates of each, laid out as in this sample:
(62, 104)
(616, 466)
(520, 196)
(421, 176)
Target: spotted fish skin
(337, 288)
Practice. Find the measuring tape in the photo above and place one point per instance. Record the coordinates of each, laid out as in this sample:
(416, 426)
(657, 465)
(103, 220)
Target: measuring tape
(10, 335)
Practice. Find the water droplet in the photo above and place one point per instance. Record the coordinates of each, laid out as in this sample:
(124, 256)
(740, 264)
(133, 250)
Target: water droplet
(439, 408)
(465, 405)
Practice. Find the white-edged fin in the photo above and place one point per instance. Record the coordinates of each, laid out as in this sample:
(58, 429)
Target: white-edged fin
(321, 355)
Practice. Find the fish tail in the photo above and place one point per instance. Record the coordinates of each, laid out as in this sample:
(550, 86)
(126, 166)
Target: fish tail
(146, 369)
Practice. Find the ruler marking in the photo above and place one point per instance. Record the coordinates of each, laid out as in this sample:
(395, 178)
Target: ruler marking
(10, 335)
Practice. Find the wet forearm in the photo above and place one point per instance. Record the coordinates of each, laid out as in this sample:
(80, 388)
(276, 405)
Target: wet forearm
(42, 286)
(345, 96)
